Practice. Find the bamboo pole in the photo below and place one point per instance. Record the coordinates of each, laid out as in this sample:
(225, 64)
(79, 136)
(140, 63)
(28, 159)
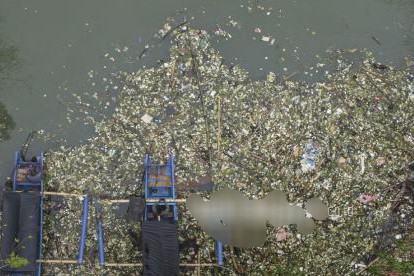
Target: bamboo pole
(57, 261)
(119, 200)
(56, 193)
(366, 267)
(291, 75)
(198, 262)
(202, 264)
(63, 194)
(180, 200)
(122, 264)
(148, 200)
(219, 127)
(233, 259)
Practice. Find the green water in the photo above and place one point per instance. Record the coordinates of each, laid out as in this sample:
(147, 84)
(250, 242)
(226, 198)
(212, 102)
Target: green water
(60, 42)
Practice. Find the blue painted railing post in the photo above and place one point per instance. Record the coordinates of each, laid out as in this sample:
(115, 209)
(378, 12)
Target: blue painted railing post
(84, 229)
(99, 233)
(172, 173)
(147, 169)
(219, 252)
(16, 160)
(39, 253)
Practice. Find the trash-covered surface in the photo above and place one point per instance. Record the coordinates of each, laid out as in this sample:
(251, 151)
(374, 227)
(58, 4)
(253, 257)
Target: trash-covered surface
(346, 141)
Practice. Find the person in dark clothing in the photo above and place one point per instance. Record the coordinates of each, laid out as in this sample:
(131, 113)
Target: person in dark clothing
(35, 174)
(159, 210)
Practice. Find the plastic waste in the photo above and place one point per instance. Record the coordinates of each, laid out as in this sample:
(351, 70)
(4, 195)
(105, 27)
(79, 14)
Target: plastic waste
(309, 156)
(182, 68)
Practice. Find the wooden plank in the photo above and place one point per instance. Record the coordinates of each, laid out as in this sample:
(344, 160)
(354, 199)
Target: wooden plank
(219, 127)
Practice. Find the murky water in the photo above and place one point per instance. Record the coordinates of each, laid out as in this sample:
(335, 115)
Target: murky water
(73, 47)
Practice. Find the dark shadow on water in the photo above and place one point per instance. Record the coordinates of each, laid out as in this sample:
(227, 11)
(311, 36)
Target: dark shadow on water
(8, 62)
(6, 123)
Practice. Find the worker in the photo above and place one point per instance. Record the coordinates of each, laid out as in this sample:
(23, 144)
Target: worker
(34, 174)
(160, 210)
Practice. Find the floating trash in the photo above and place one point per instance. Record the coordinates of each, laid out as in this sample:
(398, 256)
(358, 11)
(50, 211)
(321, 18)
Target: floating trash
(367, 198)
(111, 152)
(309, 157)
(281, 235)
(146, 118)
(380, 161)
(229, 131)
(265, 38)
(222, 33)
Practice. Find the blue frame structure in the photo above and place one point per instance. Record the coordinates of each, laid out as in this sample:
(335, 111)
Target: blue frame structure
(84, 230)
(159, 185)
(99, 232)
(30, 185)
(219, 252)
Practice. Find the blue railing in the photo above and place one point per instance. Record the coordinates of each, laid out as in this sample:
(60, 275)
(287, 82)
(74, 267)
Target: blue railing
(84, 229)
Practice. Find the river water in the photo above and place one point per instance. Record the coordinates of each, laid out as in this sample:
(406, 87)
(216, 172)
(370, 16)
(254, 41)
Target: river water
(72, 48)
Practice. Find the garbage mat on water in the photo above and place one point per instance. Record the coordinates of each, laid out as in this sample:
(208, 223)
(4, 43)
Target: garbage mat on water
(238, 131)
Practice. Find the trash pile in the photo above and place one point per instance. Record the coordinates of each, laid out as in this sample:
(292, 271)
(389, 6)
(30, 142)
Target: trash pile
(346, 141)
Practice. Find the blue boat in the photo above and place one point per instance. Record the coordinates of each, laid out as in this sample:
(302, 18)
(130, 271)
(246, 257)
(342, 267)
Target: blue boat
(159, 228)
(22, 227)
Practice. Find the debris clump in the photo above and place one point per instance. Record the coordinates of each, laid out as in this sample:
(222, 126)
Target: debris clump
(342, 140)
